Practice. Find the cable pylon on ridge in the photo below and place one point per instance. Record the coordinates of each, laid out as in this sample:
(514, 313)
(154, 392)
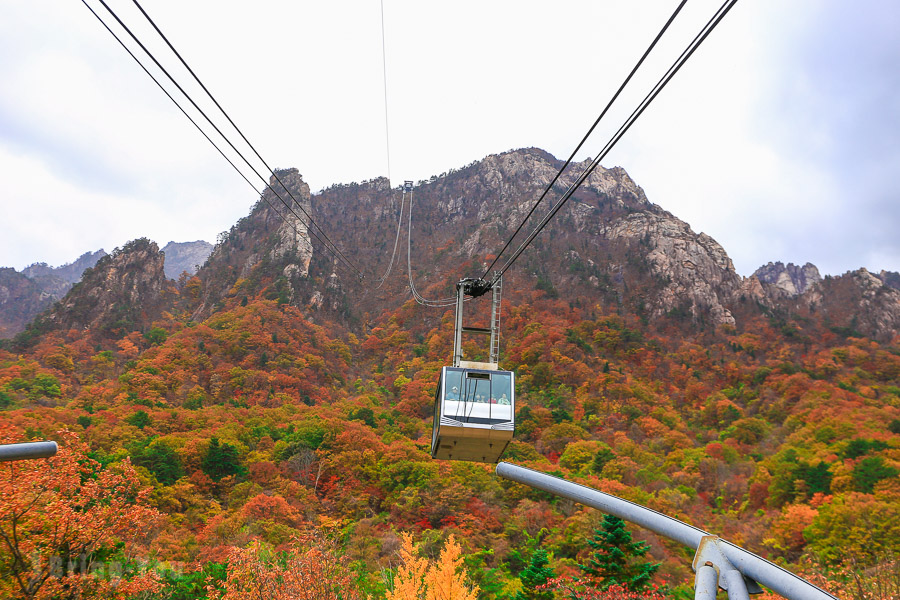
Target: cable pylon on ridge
(189, 118)
(586, 136)
(654, 92)
(241, 133)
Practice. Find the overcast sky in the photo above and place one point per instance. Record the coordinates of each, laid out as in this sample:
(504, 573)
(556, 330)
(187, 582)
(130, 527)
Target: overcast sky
(781, 137)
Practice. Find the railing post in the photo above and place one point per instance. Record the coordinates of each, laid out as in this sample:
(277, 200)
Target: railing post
(705, 586)
(737, 587)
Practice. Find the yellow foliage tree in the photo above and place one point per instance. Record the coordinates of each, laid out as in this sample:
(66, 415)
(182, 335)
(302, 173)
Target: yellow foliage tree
(424, 579)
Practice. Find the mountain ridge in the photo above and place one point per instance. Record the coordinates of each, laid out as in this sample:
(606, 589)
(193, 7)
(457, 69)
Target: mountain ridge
(610, 241)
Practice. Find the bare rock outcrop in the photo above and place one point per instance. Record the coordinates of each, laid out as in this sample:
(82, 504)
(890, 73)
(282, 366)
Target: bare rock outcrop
(790, 280)
(125, 291)
(272, 243)
(289, 194)
(185, 257)
(696, 272)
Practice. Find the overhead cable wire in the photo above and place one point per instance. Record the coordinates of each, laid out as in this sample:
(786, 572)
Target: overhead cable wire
(189, 118)
(444, 302)
(383, 278)
(236, 128)
(660, 85)
(387, 131)
(191, 100)
(205, 116)
(586, 136)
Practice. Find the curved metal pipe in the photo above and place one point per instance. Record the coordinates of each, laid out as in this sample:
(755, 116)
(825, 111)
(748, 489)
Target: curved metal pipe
(779, 580)
(27, 450)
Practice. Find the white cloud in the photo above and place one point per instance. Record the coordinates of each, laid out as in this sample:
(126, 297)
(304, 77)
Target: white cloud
(742, 145)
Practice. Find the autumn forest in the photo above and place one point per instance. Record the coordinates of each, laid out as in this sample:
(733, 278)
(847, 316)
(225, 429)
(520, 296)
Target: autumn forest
(251, 432)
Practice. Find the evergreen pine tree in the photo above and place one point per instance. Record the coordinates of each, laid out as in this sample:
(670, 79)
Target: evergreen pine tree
(221, 460)
(536, 574)
(612, 560)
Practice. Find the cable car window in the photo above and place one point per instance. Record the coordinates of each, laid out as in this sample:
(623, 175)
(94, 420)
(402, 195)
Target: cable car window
(478, 388)
(500, 389)
(453, 384)
(437, 412)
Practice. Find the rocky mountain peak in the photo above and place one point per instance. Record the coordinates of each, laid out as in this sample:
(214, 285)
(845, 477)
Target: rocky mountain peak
(532, 169)
(789, 280)
(271, 243)
(125, 290)
(185, 257)
(56, 281)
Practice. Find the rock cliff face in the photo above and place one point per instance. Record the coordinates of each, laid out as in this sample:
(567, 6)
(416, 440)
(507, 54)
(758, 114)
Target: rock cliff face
(125, 291)
(20, 300)
(654, 255)
(24, 295)
(263, 249)
(696, 273)
(57, 281)
(791, 280)
(185, 257)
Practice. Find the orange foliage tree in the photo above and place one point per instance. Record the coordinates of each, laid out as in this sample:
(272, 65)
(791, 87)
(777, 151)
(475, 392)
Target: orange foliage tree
(580, 590)
(311, 569)
(61, 520)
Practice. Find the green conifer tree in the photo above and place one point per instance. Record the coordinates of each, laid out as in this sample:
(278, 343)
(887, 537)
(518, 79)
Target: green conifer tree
(536, 574)
(221, 460)
(612, 562)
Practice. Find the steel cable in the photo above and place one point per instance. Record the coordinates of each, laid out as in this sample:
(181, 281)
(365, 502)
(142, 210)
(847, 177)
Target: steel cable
(236, 128)
(224, 137)
(396, 244)
(660, 85)
(189, 118)
(586, 136)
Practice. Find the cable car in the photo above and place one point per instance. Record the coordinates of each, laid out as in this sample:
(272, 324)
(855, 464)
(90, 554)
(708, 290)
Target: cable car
(475, 402)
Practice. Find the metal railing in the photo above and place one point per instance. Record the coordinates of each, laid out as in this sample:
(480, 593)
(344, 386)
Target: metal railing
(27, 450)
(716, 563)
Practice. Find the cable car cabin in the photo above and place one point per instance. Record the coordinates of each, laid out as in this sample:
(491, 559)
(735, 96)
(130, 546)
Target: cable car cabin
(474, 412)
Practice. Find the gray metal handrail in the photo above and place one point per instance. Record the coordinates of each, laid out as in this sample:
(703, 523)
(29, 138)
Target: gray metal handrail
(732, 564)
(27, 450)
